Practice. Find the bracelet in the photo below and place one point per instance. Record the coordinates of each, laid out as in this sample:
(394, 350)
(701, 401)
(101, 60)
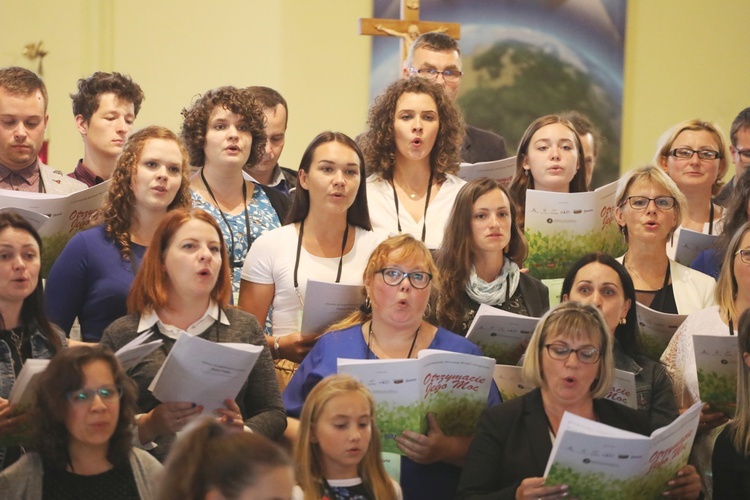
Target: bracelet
(276, 352)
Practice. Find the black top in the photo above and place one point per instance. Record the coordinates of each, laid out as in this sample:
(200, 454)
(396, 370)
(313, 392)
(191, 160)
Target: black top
(117, 483)
(731, 469)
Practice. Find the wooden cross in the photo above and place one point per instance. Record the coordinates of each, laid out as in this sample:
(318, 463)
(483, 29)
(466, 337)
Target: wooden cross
(408, 28)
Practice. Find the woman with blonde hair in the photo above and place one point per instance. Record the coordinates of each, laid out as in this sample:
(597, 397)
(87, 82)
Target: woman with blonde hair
(398, 280)
(694, 155)
(211, 462)
(732, 299)
(183, 288)
(337, 453)
(731, 456)
(549, 158)
(91, 278)
(480, 256)
(649, 208)
(413, 149)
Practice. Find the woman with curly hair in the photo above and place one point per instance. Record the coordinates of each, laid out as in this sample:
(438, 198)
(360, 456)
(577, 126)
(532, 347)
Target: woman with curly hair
(412, 149)
(549, 158)
(694, 155)
(224, 131)
(479, 258)
(83, 421)
(91, 278)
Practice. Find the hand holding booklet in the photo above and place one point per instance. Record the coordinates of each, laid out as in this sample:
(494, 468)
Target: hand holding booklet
(599, 461)
(203, 372)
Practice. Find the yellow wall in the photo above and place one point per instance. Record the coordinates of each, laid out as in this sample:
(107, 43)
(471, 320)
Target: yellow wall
(684, 58)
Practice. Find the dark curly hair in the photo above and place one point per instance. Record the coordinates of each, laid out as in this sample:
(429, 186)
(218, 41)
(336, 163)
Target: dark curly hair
(379, 142)
(63, 375)
(86, 100)
(238, 101)
(118, 209)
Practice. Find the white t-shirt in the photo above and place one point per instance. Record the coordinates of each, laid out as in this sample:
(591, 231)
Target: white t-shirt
(383, 210)
(270, 261)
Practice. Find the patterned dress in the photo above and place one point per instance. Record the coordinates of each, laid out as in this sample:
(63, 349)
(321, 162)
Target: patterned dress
(262, 218)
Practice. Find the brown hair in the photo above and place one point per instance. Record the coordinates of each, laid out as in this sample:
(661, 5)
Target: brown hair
(307, 455)
(150, 290)
(740, 122)
(22, 82)
(240, 102)
(63, 375)
(269, 98)
(209, 456)
(523, 181)
(456, 254)
(664, 146)
(432, 40)
(118, 209)
(379, 142)
(90, 90)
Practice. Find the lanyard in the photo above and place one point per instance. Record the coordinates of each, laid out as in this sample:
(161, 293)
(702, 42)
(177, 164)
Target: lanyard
(299, 251)
(711, 219)
(233, 263)
(426, 204)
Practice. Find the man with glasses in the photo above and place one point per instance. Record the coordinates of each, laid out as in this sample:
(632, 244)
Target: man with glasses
(437, 56)
(739, 135)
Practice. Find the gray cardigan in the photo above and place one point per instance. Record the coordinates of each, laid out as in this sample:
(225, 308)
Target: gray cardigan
(23, 479)
(259, 399)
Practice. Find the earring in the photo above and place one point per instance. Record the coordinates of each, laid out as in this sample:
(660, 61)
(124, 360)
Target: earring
(526, 172)
(623, 321)
(367, 306)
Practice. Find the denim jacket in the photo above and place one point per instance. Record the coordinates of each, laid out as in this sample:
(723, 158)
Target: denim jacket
(40, 349)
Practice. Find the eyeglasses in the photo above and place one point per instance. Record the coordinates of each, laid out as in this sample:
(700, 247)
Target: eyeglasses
(108, 394)
(394, 277)
(743, 153)
(744, 255)
(587, 355)
(449, 75)
(641, 202)
(687, 153)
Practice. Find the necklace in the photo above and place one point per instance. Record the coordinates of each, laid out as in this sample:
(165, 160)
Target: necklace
(652, 287)
(426, 204)
(371, 334)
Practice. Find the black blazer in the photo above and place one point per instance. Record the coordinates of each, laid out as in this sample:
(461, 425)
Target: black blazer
(280, 202)
(535, 295)
(482, 145)
(512, 443)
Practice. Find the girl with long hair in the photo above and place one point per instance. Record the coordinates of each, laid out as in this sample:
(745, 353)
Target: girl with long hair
(91, 278)
(337, 452)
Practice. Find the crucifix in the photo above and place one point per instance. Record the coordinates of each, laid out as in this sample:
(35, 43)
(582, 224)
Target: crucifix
(34, 51)
(408, 28)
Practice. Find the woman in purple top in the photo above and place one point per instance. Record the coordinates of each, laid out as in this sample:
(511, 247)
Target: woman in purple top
(91, 278)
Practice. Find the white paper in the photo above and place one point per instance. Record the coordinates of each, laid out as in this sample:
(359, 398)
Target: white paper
(716, 360)
(623, 389)
(600, 461)
(689, 244)
(22, 393)
(657, 329)
(327, 303)
(203, 372)
(501, 335)
(501, 171)
(137, 349)
(509, 380)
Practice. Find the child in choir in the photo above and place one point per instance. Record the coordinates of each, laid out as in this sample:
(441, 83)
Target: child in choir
(328, 238)
(223, 131)
(91, 278)
(211, 462)
(549, 158)
(337, 453)
(25, 332)
(413, 149)
(83, 434)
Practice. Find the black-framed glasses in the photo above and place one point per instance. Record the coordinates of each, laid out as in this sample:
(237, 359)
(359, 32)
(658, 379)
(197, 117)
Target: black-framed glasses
(641, 202)
(108, 393)
(743, 153)
(744, 255)
(588, 355)
(394, 277)
(449, 75)
(687, 153)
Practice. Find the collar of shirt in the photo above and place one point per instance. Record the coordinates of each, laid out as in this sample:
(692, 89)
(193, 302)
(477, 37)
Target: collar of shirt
(278, 177)
(29, 175)
(83, 174)
(209, 317)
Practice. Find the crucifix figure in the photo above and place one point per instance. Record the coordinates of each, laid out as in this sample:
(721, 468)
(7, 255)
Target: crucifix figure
(35, 51)
(408, 28)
